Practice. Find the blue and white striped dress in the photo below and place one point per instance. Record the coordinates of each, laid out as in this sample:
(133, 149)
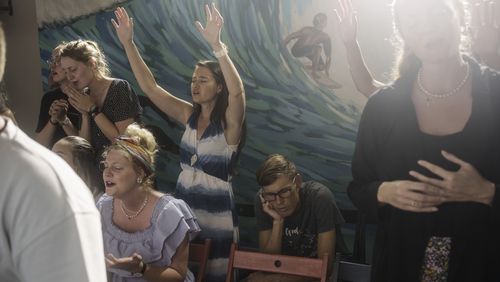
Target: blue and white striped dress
(205, 184)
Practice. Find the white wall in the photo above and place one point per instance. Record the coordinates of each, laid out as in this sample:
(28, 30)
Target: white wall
(23, 71)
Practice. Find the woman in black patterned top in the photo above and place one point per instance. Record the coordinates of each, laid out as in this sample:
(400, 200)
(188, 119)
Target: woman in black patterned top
(107, 105)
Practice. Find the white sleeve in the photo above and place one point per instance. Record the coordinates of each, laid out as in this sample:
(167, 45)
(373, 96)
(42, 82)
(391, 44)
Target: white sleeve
(51, 225)
(68, 251)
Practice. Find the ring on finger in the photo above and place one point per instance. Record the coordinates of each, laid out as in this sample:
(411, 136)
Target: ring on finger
(414, 203)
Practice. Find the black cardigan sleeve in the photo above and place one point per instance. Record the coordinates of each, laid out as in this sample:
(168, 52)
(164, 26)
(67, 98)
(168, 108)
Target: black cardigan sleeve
(363, 189)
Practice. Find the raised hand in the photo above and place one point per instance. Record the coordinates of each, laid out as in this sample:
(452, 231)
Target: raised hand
(80, 101)
(485, 28)
(124, 27)
(411, 195)
(211, 31)
(346, 22)
(58, 110)
(466, 184)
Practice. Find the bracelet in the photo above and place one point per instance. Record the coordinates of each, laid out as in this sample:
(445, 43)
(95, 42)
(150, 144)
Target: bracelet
(143, 266)
(222, 52)
(94, 111)
(65, 122)
(52, 122)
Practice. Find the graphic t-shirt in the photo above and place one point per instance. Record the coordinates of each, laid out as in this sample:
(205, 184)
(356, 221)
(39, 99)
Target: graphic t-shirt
(316, 214)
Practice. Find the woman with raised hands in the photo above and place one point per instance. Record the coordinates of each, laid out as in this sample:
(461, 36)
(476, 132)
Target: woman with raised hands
(213, 137)
(146, 233)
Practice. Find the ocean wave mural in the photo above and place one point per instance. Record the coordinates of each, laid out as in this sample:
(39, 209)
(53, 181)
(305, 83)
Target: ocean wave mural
(287, 111)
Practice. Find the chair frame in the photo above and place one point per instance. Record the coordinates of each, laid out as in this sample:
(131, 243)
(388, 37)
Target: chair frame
(301, 266)
(354, 272)
(199, 253)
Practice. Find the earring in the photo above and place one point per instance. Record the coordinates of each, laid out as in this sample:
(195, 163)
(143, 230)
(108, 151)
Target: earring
(139, 180)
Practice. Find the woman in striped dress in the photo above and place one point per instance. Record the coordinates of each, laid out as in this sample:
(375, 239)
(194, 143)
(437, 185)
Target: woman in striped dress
(214, 125)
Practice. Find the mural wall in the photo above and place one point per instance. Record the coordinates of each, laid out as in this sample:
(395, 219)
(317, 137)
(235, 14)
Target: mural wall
(288, 111)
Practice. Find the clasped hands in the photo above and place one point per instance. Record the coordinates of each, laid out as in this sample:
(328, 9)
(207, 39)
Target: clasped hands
(58, 110)
(82, 102)
(427, 193)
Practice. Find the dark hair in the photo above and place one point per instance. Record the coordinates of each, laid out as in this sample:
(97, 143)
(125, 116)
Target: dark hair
(406, 62)
(83, 51)
(3, 94)
(317, 18)
(3, 99)
(55, 58)
(84, 159)
(273, 167)
(219, 112)
(3, 51)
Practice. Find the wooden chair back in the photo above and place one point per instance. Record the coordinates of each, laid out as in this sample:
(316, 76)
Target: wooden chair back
(307, 267)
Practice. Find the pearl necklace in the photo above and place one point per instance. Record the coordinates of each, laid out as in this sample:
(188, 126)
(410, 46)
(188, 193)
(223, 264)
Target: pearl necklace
(135, 214)
(429, 95)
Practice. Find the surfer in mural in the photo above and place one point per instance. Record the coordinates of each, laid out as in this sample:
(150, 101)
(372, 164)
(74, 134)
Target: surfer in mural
(213, 137)
(313, 43)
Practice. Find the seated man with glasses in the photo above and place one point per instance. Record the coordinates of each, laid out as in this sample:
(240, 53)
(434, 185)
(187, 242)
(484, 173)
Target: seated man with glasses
(293, 217)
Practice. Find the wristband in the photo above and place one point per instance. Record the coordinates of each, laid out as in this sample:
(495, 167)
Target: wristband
(143, 266)
(65, 122)
(94, 111)
(222, 52)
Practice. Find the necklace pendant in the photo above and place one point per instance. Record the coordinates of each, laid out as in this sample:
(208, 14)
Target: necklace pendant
(134, 215)
(194, 158)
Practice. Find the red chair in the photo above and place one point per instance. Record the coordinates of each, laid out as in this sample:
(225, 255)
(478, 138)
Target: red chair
(301, 266)
(198, 253)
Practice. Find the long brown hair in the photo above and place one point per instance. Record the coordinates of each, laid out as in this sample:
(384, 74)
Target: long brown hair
(219, 112)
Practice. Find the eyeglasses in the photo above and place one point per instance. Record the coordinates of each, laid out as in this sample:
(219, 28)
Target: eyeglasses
(282, 193)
